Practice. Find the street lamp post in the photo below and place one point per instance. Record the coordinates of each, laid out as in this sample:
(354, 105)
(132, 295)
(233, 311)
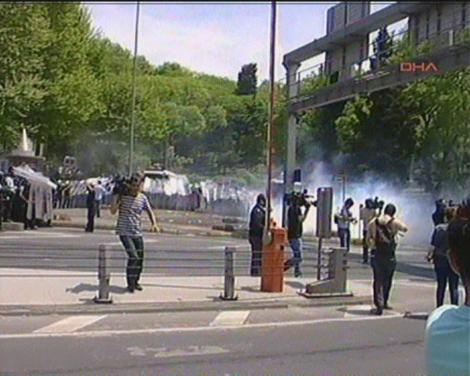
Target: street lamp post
(271, 117)
(136, 41)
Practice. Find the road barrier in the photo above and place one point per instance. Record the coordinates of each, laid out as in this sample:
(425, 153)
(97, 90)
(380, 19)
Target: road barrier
(103, 278)
(333, 272)
(229, 281)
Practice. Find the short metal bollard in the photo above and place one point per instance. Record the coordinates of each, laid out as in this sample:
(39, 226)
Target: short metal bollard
(103, 278)
(229, 282)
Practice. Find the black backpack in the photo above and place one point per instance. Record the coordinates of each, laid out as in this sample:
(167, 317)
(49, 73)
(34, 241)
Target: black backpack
(384, 240)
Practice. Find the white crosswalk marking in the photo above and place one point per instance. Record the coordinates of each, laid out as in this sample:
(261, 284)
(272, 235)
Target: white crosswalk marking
(70, 324)
(230, 318)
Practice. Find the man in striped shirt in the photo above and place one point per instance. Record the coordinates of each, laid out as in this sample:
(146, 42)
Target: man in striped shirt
(131, 203)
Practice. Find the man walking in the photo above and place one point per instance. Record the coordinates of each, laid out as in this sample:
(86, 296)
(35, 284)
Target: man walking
(381, 236)
(91, 208)
(438, 255)
(257, 222)
(99, 192)
(131, 202)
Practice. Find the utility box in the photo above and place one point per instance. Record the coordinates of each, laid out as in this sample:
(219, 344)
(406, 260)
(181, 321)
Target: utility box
(324, 212)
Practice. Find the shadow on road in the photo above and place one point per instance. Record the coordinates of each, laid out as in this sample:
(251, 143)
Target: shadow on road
(89, 287)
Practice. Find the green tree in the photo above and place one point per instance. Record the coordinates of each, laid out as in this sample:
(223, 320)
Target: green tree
(247, 80)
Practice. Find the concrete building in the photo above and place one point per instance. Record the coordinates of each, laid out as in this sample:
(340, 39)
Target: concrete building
(346, 47)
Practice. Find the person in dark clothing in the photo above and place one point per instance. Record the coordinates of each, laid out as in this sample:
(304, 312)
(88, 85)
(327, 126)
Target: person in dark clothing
(381, 236)
(257, 223)
(438, 255)
(295, 220)
(91, 208)
(438, 215)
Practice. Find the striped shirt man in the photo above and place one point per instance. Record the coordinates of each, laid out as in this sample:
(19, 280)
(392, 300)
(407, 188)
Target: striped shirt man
(130, 209)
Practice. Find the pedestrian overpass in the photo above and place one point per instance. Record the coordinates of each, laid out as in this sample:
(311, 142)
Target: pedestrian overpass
(437, 41)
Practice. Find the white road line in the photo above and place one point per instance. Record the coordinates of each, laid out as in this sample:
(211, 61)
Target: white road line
(230, 318)
(357, 310)
(69, 324)
(42, 235)
(164, 352)
(110, 333)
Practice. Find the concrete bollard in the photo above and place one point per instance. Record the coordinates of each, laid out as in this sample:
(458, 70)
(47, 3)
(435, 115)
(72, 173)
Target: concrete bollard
(103, 278)
(229, 275)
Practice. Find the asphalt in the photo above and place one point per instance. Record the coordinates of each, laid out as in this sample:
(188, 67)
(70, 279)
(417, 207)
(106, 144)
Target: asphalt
(181, 273)
(280, 342)
(176, 325)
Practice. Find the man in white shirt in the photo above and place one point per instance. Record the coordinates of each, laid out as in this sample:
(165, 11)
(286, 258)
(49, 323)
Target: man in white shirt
(99, 192)
(344, 220)
(381, 237)
(366, 214)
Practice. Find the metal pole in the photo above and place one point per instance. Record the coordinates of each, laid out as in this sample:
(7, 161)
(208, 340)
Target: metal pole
(103, 278)
(229, 275)
(320, 241)
(271, 116)
(344, 187)
(136, 41)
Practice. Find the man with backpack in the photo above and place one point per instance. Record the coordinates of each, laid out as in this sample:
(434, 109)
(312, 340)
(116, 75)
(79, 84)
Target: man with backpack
(381, 235)
(438, 255)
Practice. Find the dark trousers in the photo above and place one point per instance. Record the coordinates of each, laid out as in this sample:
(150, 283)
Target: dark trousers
(365, 248)
(134, 246)
(97, 206)
(444, 274)
(383, 268)
(344, 237)
(90, 226)
(7, 209)
(256, 252)
(30, 223)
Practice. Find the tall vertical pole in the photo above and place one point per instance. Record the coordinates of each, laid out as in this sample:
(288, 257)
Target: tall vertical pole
(271, 115)
(136, 41)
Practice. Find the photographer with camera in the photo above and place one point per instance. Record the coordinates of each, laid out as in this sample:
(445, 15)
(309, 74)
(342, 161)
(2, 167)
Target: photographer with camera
(344, 220)
(129, 201)
(295, 220)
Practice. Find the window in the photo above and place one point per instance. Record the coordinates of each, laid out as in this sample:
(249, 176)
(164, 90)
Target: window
(427, 25)
(464, 15)
(417, 29)
(438, 26)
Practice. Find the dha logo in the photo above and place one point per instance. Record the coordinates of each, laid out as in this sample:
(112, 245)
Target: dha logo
(422, 67)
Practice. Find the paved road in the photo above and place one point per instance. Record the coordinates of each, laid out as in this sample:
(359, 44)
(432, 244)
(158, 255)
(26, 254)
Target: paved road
(75, 250)
(294, 341)
(301, 341)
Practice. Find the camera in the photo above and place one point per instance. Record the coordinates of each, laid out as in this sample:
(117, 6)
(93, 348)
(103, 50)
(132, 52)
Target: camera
(301, 199)
(375, 203)
(121, 186)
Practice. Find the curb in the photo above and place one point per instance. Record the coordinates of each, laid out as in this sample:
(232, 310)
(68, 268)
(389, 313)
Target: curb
(221, 234)
(197, 306)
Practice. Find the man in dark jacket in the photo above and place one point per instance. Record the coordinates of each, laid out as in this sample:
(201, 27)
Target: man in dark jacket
(91, 208)
(257, 222)
(295, 220)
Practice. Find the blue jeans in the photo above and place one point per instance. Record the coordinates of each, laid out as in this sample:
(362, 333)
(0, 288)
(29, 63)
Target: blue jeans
(344, 237)
(296, 245)
(134, 246)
